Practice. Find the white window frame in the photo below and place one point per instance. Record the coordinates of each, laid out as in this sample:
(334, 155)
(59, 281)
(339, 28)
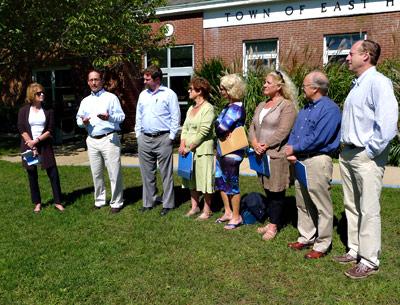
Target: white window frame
(169, 71)
(338, 52)
(262, 56)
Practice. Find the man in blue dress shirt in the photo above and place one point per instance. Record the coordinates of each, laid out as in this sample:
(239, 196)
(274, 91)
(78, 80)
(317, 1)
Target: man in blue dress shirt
(370, 115)
(313, 141)
(101, 113)
(157, 123)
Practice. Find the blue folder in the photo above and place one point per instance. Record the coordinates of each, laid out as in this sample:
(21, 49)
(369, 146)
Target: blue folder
(300, 171)
(261, 166)
(30, 158)
(185, 166)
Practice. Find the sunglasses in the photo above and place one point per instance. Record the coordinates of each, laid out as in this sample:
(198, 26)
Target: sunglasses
(279, 73)
(40, 93)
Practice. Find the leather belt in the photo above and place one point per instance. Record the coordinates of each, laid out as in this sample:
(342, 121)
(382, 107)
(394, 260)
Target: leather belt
(349, 146)
(156, 134)
(102, 135)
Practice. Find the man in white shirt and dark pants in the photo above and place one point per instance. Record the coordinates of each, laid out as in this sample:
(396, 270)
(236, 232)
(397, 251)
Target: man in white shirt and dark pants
(101, 113)
(157, 123)
(369, 122)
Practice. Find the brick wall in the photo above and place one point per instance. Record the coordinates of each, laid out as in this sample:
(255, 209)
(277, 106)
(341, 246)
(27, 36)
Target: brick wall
(294, 36)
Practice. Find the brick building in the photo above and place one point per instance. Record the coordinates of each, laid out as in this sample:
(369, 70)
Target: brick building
(277, 32)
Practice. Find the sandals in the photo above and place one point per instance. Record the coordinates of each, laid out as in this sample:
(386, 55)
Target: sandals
(232, 226)
(193, 212)
(38, 208)
(262, 230)
(270, 233)
(222, 219)
(59, 207)
(204, 216)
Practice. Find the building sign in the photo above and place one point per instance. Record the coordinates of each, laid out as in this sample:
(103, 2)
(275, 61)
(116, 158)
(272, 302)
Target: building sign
(295, 10)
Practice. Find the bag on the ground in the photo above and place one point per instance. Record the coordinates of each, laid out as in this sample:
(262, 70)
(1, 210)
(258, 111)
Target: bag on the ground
(253, 208)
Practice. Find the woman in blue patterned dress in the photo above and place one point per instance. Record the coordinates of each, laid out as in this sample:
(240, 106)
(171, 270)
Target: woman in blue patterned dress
(232, 87)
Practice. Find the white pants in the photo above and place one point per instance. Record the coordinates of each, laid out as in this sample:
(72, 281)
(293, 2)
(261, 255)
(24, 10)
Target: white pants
(362, 185)
(106, 151)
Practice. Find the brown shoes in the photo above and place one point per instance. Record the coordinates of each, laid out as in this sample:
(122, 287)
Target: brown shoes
(345, 259)
(115, 210)
(298, 246)
(314, 254)
(360, 271)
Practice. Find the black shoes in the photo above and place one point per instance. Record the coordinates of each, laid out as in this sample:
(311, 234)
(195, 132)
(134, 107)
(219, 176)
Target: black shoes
(165, 211)
(145, 209)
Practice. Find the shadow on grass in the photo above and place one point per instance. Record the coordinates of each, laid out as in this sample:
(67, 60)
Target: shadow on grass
(289, 212)
(70, 198)
(341, 227)
(132, 195)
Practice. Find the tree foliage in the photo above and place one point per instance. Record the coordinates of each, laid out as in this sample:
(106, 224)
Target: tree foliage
(104, 32)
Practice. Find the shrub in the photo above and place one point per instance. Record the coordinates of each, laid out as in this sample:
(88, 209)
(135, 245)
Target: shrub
(339, 76)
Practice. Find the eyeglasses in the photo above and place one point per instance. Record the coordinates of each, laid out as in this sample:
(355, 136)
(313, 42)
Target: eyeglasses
(39, 93)
(222, 88)
(279, 73)
(305, 86)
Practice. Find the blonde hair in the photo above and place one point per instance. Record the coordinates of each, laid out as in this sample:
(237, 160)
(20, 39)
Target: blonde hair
(288, 88)
(235, 86)
(31, 91)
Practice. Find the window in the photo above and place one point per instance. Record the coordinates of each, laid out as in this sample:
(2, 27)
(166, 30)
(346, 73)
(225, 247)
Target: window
(60, 94)
(337, 47)
(260, 52)
(176, 64)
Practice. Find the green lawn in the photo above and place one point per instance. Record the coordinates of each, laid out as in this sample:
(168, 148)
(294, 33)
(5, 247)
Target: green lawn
(87, 256)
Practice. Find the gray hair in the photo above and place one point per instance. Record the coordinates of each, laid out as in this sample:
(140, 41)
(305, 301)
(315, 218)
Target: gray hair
(321, 81)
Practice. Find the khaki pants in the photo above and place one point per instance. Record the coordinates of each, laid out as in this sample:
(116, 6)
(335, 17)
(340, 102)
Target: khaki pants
(106, 151)
(362, 185)
(314, 204)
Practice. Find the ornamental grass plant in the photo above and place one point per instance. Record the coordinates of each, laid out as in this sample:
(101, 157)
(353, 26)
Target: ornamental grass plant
(297, 65)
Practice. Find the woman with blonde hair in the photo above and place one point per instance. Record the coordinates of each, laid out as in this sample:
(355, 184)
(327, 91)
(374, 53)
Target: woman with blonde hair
(232, 88)
(197, 137)
(269, 131)
(36, 127)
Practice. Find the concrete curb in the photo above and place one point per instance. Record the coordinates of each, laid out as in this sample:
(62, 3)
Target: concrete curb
(79, 157)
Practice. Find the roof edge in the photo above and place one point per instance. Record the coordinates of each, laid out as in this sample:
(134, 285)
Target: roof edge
(204, 6)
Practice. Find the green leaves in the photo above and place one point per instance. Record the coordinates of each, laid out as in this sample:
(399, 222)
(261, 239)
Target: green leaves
(38, 32)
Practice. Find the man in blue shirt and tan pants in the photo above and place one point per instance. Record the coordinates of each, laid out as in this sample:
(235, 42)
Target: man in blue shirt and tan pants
(313, 140)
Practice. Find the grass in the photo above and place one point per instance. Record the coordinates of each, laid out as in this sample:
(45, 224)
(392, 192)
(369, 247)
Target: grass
(85, 256)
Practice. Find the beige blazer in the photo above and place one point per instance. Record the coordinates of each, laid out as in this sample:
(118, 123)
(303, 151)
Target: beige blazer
(274, 131)
(275, 127)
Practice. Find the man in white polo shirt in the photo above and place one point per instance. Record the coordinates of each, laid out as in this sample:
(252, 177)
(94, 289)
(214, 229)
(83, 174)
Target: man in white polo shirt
(101, 113)
(369, 122)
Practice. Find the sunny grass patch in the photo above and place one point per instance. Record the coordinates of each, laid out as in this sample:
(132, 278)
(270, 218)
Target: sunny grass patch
(93, 257)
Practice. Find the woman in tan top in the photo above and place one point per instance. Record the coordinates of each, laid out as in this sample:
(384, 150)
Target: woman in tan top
(272, 121)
